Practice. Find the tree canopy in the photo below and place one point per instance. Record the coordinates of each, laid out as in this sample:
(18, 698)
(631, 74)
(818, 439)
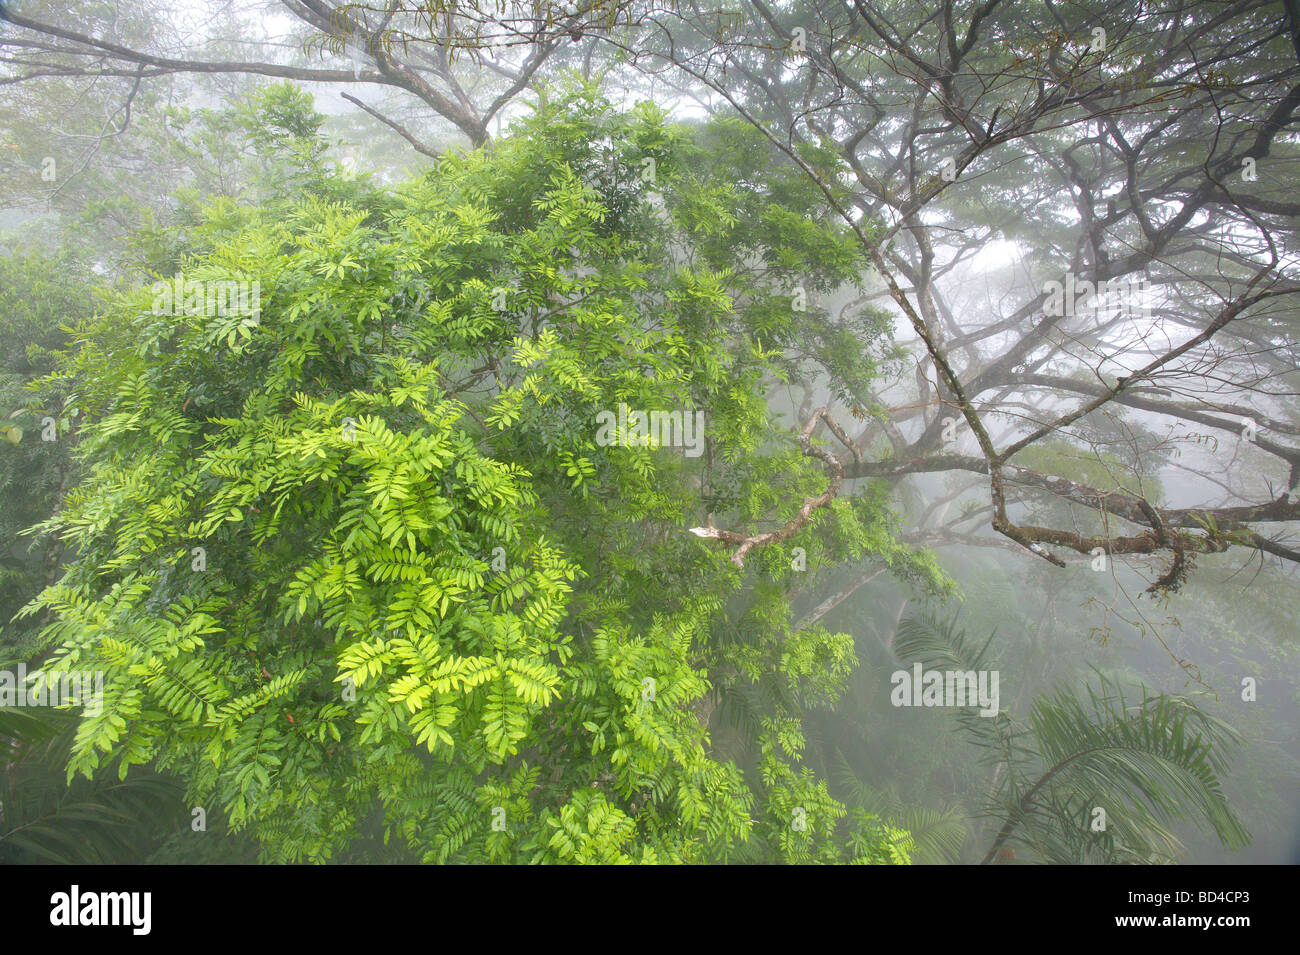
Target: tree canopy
(535, 432)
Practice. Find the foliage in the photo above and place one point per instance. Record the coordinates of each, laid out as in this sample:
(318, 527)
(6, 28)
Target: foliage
(1143, 759)
(40, 293)
(358, 566)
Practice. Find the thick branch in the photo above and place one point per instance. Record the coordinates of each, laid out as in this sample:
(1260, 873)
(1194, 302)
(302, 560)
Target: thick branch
(746, 543)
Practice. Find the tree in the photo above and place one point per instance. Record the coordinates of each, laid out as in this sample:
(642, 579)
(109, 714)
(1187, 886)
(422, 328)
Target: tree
(508, 43)
(364, 549)
(1135, 155)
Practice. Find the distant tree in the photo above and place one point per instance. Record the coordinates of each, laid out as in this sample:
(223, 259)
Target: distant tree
(40, 292)
(465, 62)
(1141, 151)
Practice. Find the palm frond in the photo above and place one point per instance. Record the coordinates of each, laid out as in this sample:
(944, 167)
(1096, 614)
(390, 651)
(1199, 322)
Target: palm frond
(939, 834)
(1148, 760)
(44, 818)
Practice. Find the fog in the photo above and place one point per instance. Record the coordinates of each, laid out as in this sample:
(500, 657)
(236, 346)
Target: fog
(392, 536)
